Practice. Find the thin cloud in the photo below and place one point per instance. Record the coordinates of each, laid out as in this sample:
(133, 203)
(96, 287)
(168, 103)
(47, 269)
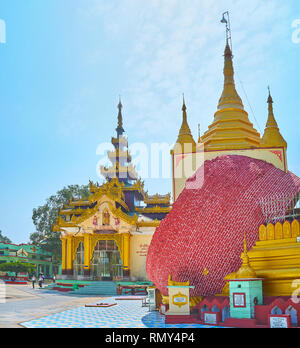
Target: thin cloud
(177, 47)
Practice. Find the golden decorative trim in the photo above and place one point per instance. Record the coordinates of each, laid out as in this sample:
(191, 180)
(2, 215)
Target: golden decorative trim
(157, 199)
(156, 209)
(173, 283)
(205, 272)
(154, 223)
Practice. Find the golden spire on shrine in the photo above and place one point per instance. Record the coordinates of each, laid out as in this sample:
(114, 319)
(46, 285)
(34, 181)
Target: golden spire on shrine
(185, 136)
(272, 136)
(199, 134)
(231, 128)
(229, 95)
(246, 271)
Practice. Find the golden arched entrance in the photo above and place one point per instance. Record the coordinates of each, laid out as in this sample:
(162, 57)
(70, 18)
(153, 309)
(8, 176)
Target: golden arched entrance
(106, 262)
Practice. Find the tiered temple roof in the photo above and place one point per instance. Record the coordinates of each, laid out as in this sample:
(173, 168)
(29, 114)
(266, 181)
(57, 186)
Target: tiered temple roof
(123, 186)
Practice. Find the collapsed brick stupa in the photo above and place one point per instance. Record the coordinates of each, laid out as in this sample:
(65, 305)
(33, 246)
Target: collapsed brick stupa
(202, 237)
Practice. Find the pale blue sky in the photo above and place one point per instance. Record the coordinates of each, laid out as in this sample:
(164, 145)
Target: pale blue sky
(65, 62)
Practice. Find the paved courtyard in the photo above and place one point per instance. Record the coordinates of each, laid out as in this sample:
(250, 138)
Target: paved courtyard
(25, 307)
(22, 303)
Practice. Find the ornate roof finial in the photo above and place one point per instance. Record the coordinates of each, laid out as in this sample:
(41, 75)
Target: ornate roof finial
(226, 20)
(270, 99)
(246, 271)
(245, 245)
(229, 96)
(199, 133)
(183, 103)
(120, 129)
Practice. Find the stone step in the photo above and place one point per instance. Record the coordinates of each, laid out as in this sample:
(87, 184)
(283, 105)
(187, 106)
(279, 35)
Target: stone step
(98, 288)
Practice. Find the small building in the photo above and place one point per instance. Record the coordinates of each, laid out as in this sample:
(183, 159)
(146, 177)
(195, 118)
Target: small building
(28, 254)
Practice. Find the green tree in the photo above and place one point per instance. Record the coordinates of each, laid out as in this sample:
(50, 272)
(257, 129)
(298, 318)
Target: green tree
(17, 267)
(44, 217)
(4, 239)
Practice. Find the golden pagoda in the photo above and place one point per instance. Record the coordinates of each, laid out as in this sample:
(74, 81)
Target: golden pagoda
(231, 128)
(230, 133)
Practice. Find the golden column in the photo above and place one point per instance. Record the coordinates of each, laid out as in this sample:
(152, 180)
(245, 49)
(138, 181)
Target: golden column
(64, 254)
(70, 241)
(126, 261)
(87, 254)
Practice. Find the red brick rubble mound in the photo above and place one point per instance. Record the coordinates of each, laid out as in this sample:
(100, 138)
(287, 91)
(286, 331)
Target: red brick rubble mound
(205, 228)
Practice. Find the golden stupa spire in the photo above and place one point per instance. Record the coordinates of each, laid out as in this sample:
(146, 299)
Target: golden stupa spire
(272, 136)
(246, 271)
(229, 95)
(185, 135)
(231, 128)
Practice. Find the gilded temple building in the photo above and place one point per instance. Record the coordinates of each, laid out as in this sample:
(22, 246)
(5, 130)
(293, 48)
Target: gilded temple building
(107, 235)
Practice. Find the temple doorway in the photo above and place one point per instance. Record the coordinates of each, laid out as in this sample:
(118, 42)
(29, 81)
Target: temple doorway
(106, 263)
(78, 265)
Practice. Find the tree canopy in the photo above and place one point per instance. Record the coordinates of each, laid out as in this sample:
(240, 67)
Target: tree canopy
(44, 217)
(4, 239)
(17, 267)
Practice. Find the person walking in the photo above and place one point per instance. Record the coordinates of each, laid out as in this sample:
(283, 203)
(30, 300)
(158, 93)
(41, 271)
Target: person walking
(54, 278)
(40, 281)
(33, 279)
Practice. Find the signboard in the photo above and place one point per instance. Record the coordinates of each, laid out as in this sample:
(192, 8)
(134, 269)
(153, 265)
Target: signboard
(280, 321)
(143, 250)
(239, 300)
(180, 300)
(210, 318)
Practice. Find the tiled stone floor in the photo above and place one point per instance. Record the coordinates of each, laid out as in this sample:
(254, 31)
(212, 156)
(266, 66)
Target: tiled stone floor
(25, 307)
(126, 314)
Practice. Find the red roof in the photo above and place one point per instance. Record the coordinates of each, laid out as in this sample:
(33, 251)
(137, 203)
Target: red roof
(206, 226)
